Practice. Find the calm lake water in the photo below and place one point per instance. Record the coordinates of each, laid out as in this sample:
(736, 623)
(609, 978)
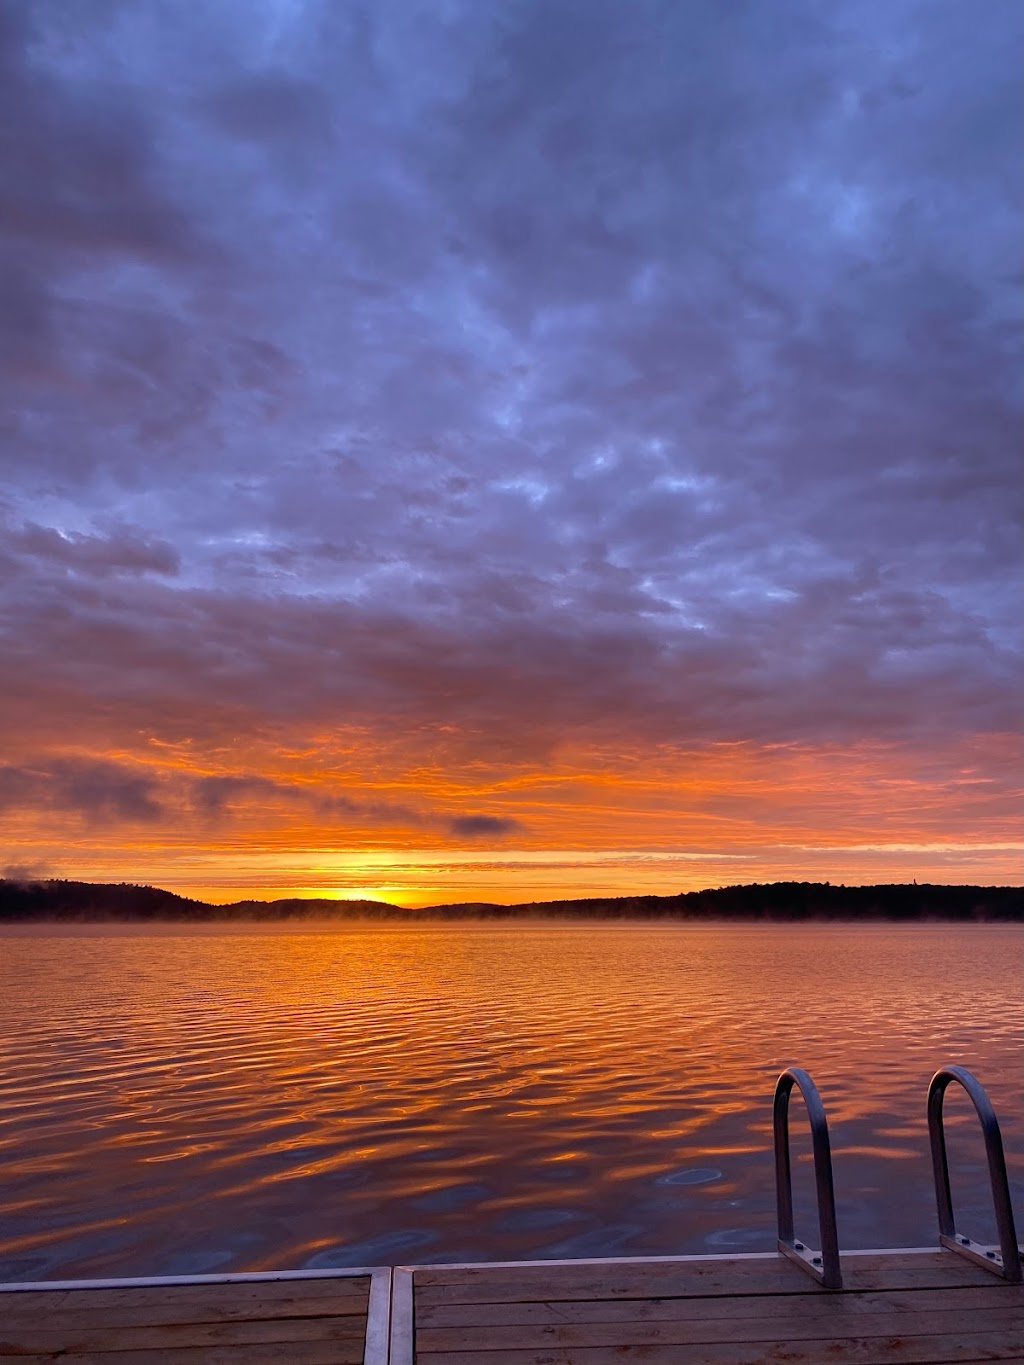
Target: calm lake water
(176, 1101)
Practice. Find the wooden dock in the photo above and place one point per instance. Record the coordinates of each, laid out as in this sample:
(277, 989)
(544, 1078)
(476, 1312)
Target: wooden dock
(913, 1307)
(302, 1318)
(926, 1307)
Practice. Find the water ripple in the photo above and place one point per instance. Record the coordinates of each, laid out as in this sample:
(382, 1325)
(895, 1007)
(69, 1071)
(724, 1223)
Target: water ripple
(175, 1102)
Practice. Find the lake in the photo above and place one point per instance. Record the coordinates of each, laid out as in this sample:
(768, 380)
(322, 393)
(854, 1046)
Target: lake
(177, 1101)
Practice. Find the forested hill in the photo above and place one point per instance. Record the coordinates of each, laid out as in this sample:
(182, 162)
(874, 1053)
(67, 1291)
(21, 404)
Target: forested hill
(783, 901)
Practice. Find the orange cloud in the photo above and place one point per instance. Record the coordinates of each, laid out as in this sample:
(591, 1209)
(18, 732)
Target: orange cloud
(335, 821)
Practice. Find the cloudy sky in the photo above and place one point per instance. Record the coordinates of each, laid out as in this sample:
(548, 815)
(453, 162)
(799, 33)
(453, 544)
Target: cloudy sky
(495, 449)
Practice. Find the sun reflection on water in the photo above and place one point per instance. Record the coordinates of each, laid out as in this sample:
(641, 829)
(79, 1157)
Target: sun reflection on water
(265, 1098)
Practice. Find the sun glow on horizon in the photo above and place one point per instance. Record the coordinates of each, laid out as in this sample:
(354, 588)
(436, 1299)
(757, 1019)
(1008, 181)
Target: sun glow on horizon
(632, 548)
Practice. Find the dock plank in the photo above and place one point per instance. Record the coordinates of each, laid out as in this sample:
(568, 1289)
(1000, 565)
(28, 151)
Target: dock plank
(223, 1291)
(307, 1353)
(117, 1337)
(153, 1315)
(829, 1306)
(856, 1351)
(491, 1336)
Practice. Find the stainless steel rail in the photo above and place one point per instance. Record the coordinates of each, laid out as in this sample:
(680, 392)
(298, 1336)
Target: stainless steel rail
(823, 1265)
(1005, 1261)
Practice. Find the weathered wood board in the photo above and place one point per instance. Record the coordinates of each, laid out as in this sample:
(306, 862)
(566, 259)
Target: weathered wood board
(914, 1309)
(303, 1321)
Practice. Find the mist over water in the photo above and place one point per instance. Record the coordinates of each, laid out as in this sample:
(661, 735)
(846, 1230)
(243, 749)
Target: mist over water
(178, 1101)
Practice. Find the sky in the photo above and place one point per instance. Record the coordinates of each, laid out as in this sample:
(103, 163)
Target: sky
(510, 449)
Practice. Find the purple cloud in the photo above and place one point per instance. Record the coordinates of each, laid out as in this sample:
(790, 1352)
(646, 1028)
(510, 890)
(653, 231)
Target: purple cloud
(483, 826)
(123, 550)
(99, 791)
(525, 375)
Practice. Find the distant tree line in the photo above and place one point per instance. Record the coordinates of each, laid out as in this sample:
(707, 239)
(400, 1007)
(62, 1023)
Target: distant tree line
(785, 902)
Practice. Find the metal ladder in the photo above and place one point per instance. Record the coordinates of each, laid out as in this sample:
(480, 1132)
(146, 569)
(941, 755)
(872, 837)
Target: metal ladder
(1006, 1260)
(824, 1265)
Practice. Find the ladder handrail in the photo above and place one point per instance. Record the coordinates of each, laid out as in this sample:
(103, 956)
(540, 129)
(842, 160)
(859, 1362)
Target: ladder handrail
(1006, 1261)
(825, 1266)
